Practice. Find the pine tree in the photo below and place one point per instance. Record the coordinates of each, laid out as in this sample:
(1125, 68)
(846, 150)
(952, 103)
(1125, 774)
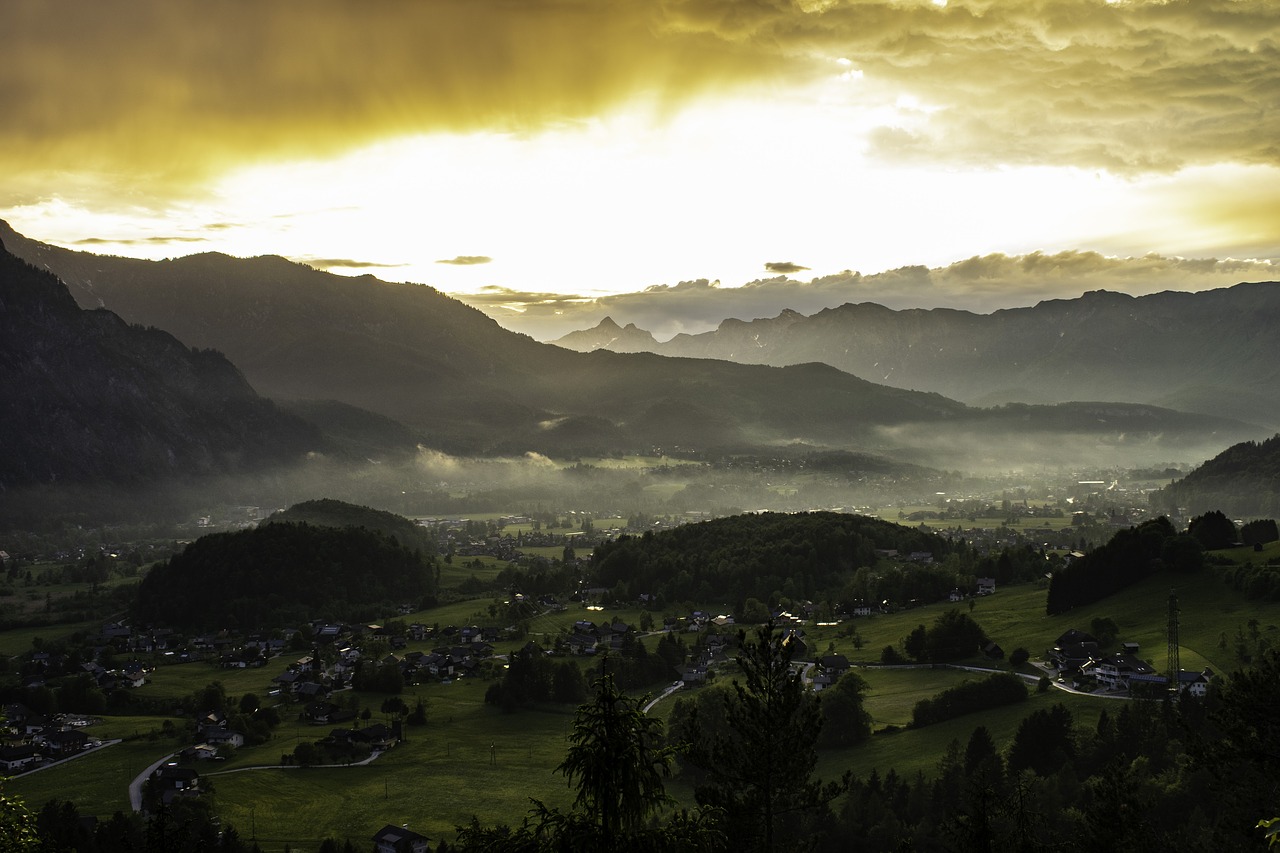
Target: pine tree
(760, 772)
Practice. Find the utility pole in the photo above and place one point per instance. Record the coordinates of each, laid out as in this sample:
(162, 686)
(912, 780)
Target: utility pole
(1175, 664)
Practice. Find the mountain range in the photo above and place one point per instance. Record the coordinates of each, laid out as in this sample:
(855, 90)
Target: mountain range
(1214, 352)
(382, 368)
(89, 397)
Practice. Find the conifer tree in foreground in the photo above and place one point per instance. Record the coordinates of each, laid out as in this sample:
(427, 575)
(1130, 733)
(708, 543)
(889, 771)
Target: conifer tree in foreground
(759, 771)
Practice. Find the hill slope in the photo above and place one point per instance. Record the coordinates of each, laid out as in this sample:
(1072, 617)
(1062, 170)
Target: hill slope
(1243, 480)
(92, 399)
(1215, 352)
(281, 574)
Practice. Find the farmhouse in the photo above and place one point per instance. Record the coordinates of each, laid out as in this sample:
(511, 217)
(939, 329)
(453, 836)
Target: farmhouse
(1114, 671)
(399, 839)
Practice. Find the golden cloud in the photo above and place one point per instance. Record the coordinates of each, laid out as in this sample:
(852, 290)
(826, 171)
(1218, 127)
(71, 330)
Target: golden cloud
(167, 90)
(1132, 86)
(179, 88)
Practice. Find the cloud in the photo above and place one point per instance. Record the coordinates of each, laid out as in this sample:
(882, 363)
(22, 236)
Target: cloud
(981, 284)
(467, 260)
(344, 263)
(176, 90)
(138, 241)
(1130, 86)
(783, 267)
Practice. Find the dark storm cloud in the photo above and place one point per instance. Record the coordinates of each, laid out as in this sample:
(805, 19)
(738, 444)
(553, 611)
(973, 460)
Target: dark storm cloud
(783, 267)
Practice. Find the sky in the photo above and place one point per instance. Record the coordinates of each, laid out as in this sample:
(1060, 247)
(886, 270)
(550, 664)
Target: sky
(666, 162)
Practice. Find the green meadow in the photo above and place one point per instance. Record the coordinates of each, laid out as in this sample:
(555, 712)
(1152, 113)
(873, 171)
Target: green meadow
(471, 759)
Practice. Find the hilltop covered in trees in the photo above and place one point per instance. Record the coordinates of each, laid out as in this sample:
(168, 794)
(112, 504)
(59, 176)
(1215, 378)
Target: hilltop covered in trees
(327, 512)
(282, 574)
(803, 555)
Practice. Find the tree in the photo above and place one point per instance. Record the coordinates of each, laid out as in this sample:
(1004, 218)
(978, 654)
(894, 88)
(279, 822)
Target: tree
(953, 636)
(1260, 531)
(568, 685)
(1043, 742)
(844, 720)
(1105, 629)
(616, 760)
(760, 771)
(1214, 530)
(17, 827)
(1183, 553)
(915, 643)
(1019, 656)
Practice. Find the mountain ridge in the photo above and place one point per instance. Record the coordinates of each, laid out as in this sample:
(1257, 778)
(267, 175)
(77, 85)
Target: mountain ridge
(1173, 349)
(465, 385)
(95, 399)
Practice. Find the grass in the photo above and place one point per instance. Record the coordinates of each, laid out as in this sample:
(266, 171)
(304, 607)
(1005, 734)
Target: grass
(18, 640)
(919, 750)
(1015, 617)
(473, 760)
(895, 692)
(179, 680)
(98, 782)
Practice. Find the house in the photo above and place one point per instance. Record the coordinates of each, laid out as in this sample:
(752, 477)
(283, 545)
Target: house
(1114, 671)
(1195, 683)
(1072, 650)
(693, 673)
(172, 777)
(200, 752)
(63, 743)
(399, 839)
(376, 737)
(956, 595)
(796, 645)
(173, 783)
(834, 665)
(216, 737)
(986, 586)
(15, 759)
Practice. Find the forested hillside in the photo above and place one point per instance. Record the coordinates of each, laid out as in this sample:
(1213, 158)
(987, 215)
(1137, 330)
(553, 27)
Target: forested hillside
(1242, 480)
(764, 556)
(91, 399)
(285, 574)
(327, 512)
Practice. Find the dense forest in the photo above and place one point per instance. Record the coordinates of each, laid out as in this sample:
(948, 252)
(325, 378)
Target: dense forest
(764, 556)
(327, 512)
(283, 574)
(1244, 480)
(1130, 556)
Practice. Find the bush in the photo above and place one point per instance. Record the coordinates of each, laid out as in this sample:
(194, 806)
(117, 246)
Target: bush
(1003, 688)
(891, 656)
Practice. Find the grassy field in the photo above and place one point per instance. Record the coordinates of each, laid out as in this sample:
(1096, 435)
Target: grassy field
(18, 640)
(1014, 617)
(98, 781)
(471, 759)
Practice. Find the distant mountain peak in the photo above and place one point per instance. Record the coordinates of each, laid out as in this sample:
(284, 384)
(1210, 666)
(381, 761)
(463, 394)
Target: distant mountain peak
(608, 335)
